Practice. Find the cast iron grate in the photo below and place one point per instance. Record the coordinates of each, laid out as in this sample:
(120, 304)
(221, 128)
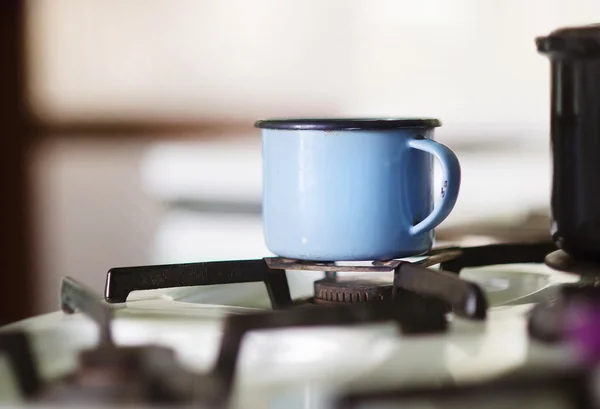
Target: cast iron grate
(151, 374)
(465, 298)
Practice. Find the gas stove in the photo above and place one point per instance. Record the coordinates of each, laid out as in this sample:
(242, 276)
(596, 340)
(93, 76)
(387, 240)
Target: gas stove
(512, 323)
(452, 326)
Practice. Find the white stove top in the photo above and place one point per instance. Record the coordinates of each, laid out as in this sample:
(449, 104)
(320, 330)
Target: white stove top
(305, 367)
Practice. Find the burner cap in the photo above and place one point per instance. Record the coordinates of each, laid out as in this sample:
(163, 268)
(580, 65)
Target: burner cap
(354, 289)
(560, 260)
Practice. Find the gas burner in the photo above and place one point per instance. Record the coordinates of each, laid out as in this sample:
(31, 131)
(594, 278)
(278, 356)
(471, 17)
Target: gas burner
(444, 285)
(560, 260)
(355, 289)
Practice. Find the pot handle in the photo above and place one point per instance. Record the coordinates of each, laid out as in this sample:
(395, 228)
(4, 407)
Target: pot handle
(450, 184)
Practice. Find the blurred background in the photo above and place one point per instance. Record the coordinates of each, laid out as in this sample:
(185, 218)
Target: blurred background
(127, 124)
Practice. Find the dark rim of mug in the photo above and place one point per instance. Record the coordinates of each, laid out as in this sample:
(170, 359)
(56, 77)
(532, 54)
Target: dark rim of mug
(336, 124)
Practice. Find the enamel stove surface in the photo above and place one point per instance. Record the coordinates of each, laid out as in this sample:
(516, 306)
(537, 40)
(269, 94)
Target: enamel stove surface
(309, 367)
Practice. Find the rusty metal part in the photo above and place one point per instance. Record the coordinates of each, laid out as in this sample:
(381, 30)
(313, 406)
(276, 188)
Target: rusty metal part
(362, 289)
(291, 264)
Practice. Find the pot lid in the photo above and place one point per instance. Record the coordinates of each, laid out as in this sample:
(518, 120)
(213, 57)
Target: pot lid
(582, 41)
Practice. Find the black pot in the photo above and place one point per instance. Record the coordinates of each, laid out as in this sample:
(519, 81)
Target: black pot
(575, 138)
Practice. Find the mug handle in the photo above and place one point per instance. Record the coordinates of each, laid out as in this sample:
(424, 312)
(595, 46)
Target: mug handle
(450, 185)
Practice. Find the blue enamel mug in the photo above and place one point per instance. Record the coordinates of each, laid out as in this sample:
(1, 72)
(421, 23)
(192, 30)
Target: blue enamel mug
(353, 189)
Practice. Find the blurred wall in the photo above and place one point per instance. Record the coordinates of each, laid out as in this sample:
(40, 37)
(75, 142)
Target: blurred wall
(470, 62)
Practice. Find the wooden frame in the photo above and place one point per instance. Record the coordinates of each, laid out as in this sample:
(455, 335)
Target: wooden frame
(16, 248)
(19, 131)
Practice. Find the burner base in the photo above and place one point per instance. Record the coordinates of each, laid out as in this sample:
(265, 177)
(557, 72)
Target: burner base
(357, 289)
